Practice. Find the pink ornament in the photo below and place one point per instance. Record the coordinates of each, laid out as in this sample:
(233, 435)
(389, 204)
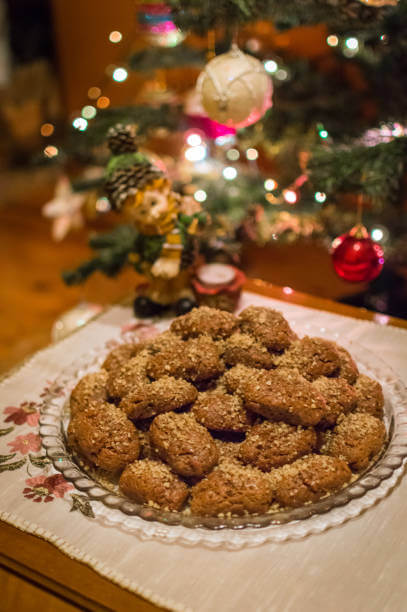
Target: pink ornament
(156, 24)
(198, 119)
(356, 257)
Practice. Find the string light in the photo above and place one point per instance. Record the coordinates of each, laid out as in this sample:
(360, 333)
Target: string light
(281, 74)
(120, 74)
(88, 112)
(320, 197)
(228, 139)
(290, 196)
(332, 40)
(94, 92)
(200, 195)
(102, 205)
(352, 43)
(270, 66)
(323, 134)
(288, 290)
(233, 154)
(80, 124)
(252, 154)
(351, 46)
(270, 184)
(194, 139)
(47, 129)
(103, 102)
(196, 154)
(51, 151)
(115, 36)
(376, 234)
(229, 173)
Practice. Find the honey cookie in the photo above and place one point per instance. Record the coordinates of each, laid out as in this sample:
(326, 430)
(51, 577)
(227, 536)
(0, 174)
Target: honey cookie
(369, 396)
(339, 396)
(105, 436)
(268, 326)
(271, 445)
(283, 395)
(231, 489)
(91, 387)
(204, 320)
(347, 368)
(195, 360)
(121, 355)
(313, 357)
(162, 395)
(308, 479)
(129, 378)
(356, 439)
(184, 444)
(220, 411)
(244, 349)
(152, 482)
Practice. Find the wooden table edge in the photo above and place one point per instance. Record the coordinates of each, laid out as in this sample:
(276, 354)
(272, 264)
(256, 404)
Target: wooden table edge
(43, 564)
(291, 296)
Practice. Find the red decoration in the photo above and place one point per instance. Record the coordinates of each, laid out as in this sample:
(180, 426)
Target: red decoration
(356, 257)
(218, 285)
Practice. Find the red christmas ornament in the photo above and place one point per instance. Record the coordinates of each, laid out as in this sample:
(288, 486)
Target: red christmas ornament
(356, 257)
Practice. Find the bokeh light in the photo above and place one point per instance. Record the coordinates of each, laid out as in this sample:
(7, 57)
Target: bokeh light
(51, 151)
(270, 184)
(103, 102)
(47, 129)
(120, 75)
(229, 173)
(200, 195)
(115, 36)
(94, 92)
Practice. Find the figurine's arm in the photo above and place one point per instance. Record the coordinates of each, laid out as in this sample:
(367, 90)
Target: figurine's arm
(168, 265)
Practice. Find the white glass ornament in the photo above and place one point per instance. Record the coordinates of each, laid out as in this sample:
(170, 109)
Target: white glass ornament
(235, 89)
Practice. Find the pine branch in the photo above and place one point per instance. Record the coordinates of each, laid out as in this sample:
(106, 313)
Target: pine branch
(373, 171)
(112, 248)
(203, 15)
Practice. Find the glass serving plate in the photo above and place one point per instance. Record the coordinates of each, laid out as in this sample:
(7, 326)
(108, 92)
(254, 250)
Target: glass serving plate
(111, 508)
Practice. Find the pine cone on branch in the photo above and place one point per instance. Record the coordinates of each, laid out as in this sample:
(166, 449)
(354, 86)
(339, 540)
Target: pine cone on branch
(122, 139)
(127, 181)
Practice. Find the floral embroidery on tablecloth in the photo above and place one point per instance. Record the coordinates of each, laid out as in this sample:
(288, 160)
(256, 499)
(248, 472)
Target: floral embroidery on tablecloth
(42, 488)
(27, 412)
(26, 443)
(25, 449)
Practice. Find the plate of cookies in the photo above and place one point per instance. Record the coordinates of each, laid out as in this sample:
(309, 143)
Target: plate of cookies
(229, 430)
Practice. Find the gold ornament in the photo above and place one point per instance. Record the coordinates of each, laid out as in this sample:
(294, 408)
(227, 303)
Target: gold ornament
(235, 89)
(378, 3)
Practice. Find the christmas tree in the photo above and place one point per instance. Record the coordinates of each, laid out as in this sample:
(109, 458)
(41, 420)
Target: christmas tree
(328, 153)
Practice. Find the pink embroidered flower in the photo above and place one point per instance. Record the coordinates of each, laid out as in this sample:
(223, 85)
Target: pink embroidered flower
(25, 413)
(112, 344)
(53, 388)
(26, 443)
(42, 488)
(143, 331)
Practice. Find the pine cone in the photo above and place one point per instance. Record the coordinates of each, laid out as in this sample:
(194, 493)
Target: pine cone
(127, 181)
(122, 139)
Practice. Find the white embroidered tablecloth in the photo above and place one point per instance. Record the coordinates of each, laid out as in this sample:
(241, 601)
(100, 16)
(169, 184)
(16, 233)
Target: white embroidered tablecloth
(359, 566)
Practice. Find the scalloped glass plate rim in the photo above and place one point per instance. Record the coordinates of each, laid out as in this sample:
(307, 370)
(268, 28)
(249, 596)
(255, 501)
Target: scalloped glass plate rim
(234, 533)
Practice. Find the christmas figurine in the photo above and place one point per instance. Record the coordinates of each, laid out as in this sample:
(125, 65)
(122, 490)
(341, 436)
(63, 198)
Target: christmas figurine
(167, 224)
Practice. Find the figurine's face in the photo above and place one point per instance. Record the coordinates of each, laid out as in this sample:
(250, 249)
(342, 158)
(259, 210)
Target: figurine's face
(153, 209)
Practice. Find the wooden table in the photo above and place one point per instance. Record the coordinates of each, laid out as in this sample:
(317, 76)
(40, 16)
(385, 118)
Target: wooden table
(34, 575)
